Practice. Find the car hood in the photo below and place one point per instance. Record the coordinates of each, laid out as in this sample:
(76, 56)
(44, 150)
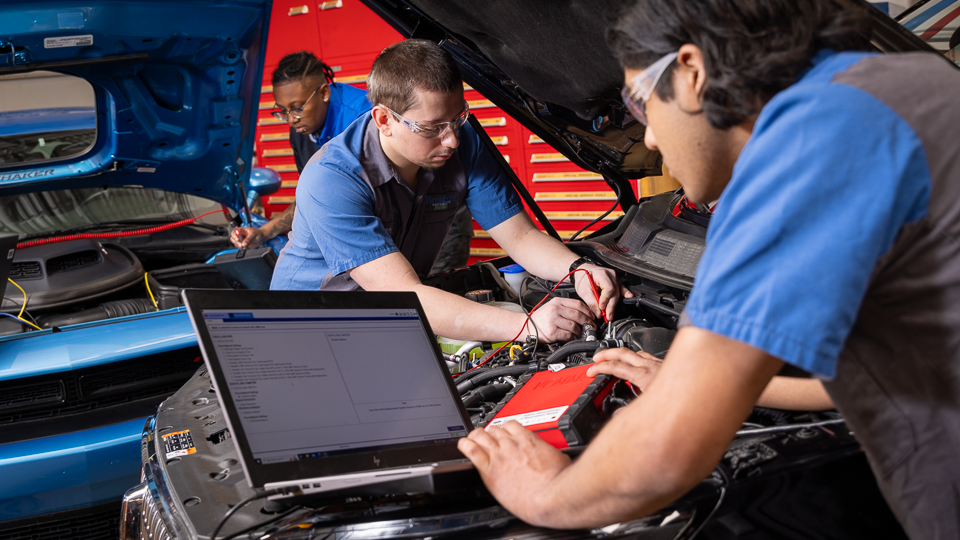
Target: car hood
(176, 87)
(548, 66)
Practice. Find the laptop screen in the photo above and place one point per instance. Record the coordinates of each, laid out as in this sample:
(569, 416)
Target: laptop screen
(311, 383)
(320, 383)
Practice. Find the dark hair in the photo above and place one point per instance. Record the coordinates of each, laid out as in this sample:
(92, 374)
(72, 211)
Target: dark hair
(752, 49)
(300, 66)
(414, 64)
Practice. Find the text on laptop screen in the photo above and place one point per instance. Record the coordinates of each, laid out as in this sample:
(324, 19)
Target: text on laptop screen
(300, 380)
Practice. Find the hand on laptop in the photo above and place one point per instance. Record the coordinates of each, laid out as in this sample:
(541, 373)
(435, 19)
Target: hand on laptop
(516, 466)
(560, 319)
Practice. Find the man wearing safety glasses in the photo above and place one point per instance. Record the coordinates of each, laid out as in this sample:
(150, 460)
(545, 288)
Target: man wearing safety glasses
(834, 247)
(374, 204)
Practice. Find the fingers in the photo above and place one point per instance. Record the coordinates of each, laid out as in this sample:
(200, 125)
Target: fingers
(237, 237)
(625, 364)
(476, 453)
(623, 354)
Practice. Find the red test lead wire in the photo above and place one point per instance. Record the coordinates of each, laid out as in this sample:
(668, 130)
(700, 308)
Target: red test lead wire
(120, 234)
(596, 296)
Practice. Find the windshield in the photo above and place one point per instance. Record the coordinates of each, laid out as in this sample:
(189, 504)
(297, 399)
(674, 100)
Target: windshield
(50, 211)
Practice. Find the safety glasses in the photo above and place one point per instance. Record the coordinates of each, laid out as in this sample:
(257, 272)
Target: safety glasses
(296, 112)
(636, 94)
(432, 131)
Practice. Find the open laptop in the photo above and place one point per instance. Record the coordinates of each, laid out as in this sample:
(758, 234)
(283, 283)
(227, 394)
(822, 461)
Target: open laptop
(331, 391)
(8, 245)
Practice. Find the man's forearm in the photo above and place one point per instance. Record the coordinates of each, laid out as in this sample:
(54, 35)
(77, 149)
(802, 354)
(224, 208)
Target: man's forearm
(456, 317)
(536, 252)
(281, 224)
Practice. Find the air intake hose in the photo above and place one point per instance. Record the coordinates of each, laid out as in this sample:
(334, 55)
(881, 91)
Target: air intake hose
(107, 310)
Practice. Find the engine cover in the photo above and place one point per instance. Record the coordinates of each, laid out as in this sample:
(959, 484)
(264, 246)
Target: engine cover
(55, 275)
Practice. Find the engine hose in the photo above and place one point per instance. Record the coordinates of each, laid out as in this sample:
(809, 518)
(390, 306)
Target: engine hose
(491, 374)
(119, 234)
(107, 310)
(573, 347)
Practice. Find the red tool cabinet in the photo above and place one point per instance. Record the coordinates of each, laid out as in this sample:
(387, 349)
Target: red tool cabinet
(348, 36)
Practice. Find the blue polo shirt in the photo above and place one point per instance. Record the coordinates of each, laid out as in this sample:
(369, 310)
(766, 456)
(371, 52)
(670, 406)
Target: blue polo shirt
(353, 207)
(818, 195)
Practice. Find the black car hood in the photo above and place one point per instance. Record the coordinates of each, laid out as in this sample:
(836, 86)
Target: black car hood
(547, 65)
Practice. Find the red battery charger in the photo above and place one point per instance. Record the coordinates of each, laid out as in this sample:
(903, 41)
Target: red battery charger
(564, 408)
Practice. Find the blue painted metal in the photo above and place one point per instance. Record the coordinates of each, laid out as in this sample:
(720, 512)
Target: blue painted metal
(69, 471)
(177, 87)
(95, 343)
(180, 95)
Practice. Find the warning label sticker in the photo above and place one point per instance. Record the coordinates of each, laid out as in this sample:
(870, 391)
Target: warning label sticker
(67, 41)
(178, 444)
(531, 418)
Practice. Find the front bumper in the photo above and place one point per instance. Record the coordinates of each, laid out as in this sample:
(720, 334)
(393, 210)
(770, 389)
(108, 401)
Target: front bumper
(74, 470)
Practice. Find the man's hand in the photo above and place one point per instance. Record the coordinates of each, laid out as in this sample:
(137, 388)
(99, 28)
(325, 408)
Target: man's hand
(516, 466)
(638, 368)
(560, 319)
(608, 286)
(248, 237)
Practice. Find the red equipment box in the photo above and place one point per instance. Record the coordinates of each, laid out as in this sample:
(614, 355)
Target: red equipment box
(564, 408)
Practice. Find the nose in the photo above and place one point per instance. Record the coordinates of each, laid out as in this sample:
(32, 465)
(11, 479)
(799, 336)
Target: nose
(649, 139)
(449, 137)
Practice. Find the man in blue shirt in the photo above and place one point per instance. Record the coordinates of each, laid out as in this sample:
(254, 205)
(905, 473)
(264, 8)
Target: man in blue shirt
(835, 247)
(376, 202)
(317, 109)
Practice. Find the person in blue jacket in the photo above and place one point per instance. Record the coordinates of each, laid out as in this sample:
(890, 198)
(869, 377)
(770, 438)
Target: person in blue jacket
(834, 247)
(317, 110)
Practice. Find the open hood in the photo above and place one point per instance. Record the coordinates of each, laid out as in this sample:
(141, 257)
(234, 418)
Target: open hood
(547, 65)
(173, 86)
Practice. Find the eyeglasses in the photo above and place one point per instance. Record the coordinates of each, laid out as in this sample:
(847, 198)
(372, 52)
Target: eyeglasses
(432, 131)
(296, 112)
(636, 94)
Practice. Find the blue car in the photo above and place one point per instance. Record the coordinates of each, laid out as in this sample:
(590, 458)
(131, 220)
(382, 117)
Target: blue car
(126, 144)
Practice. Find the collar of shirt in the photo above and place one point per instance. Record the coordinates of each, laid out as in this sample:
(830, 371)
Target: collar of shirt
(330, 123)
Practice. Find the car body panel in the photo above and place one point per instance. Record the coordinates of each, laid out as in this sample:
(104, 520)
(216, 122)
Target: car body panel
(68, 471)
(95, 343)
(176, 98)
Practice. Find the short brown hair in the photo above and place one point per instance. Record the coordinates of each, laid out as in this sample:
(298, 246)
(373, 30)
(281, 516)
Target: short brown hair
(414, 64)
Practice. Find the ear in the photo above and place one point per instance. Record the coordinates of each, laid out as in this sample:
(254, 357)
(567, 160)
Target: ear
(691, 77)
(381, 117)
(325, 93)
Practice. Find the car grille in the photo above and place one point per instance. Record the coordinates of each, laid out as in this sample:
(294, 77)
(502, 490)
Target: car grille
(26, 270)
(26, 405)
(99, 522)
(71, 261)
(141, 517)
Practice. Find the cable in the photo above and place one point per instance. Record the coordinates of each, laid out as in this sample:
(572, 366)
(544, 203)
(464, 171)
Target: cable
(120, 234)
(605, 214)
(244, 502)
(147, 281)
(21, 321)
(596, 295)
(24, 306)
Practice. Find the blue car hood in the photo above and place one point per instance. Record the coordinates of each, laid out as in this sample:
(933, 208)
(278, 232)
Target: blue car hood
(177, 87)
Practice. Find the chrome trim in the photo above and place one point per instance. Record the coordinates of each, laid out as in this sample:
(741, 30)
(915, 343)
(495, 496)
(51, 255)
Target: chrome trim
(140, 518)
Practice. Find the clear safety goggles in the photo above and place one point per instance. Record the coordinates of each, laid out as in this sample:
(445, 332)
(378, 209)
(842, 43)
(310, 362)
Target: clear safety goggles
(636, 94)
(432, 131)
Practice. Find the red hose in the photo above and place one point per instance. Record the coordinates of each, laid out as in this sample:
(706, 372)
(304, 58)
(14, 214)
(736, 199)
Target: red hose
(121, 234)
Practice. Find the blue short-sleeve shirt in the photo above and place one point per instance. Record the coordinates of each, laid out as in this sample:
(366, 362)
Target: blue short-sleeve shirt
(352, 208)
(818, 194)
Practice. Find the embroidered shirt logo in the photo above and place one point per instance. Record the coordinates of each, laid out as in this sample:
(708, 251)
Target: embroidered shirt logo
(440, 203)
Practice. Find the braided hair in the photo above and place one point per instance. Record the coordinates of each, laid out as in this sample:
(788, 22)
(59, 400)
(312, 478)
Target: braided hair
(300, 66)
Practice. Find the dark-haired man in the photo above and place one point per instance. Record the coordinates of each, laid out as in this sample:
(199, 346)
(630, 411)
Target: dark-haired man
(835, 247)
(375, 204)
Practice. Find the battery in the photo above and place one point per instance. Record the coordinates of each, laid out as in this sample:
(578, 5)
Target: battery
(564, 408)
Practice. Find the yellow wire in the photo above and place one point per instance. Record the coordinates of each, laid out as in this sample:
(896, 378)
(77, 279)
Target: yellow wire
(147, 281)
(24, 306)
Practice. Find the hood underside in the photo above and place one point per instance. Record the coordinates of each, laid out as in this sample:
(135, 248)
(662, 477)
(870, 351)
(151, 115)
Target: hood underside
(176, 88)
(547, 64)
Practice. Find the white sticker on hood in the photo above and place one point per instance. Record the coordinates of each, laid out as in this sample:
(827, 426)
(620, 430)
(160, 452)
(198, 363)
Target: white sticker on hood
(67, 41)
(531, 418)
